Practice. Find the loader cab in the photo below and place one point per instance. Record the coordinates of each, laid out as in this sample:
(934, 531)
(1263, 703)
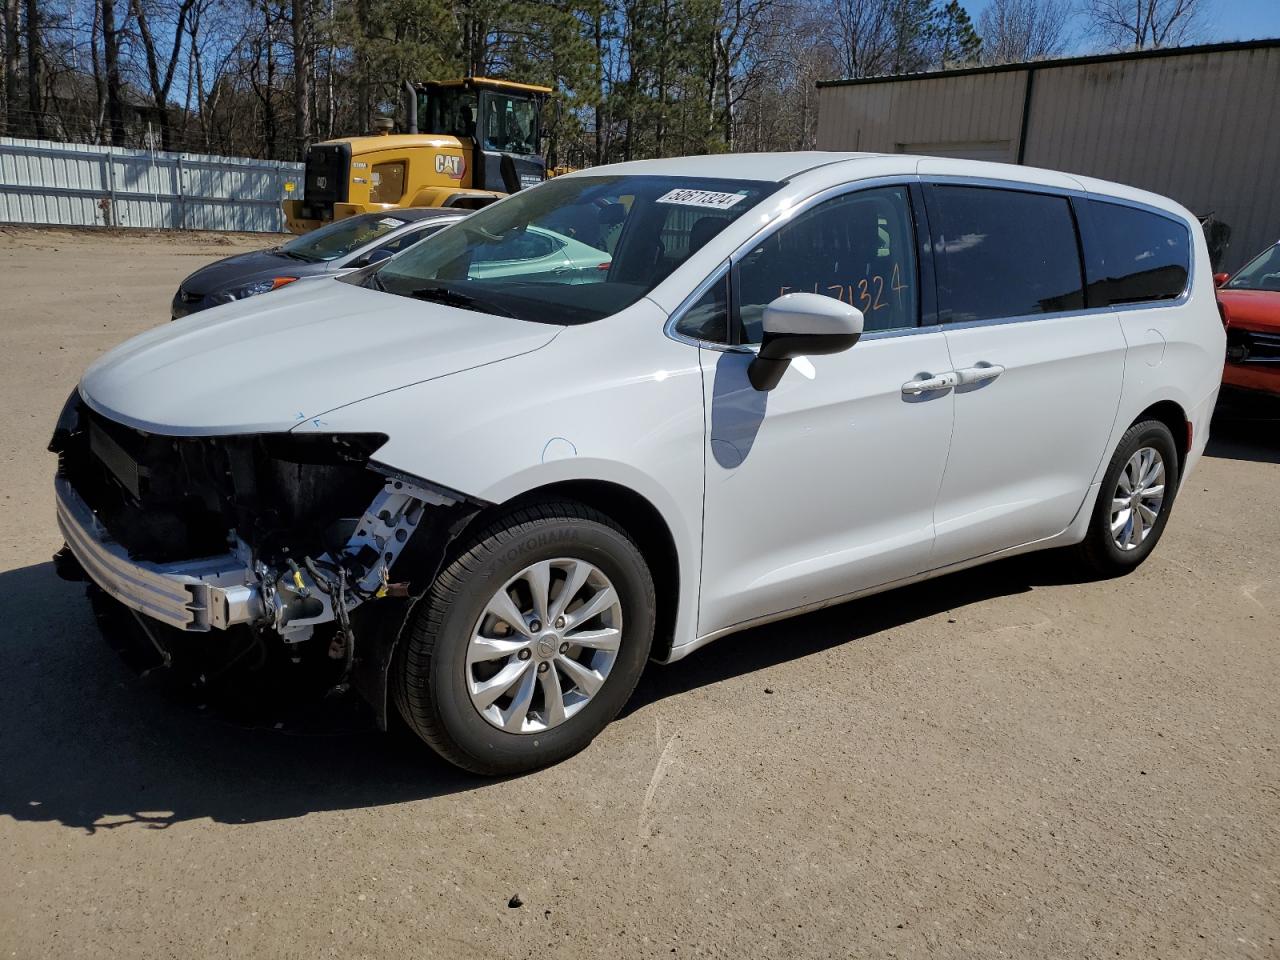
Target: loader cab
(498, 121)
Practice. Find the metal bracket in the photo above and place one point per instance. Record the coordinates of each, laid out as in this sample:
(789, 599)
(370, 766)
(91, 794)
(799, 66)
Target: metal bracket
(382, 533)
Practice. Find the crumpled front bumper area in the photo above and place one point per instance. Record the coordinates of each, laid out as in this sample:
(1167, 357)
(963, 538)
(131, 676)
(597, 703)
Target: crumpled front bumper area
(196, 595)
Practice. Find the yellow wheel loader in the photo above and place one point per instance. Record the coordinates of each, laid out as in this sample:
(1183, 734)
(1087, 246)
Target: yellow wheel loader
(484, 143)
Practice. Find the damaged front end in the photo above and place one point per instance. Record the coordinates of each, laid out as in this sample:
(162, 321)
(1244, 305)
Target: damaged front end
(284, 539)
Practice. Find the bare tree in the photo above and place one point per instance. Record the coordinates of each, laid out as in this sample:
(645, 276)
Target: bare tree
(1139, 24)
(161, 75)
(35, 71)
(9, 16)
(302, 70)
(262, 77)
(865, 37)
(111, 61)
(1015, 31)
(745, 46)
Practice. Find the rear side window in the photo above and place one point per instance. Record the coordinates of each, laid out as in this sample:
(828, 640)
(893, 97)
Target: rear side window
(1135, 256)
(1006, 253)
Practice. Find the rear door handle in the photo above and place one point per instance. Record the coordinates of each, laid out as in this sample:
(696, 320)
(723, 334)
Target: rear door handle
(943, 381)
(980, 373)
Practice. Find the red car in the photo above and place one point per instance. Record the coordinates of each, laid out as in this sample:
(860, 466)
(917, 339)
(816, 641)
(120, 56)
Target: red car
(1250, 307)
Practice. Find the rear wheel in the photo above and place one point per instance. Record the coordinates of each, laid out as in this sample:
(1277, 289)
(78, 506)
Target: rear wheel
(1134, 502)
(528, 643)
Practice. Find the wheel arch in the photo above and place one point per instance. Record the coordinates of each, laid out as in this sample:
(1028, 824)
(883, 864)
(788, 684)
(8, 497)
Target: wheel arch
(1171, 414)
(639, 519)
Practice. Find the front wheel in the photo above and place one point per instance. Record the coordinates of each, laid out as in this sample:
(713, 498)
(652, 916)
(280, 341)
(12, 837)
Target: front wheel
(1134, 502)
(528, 643)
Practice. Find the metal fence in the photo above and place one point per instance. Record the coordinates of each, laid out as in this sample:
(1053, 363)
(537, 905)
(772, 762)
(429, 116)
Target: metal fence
(82, 185)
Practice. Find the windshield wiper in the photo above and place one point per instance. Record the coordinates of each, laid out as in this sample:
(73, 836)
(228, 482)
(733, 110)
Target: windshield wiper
(295, 256)
(455, 298)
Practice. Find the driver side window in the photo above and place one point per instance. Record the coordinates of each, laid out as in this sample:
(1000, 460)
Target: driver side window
(858, 248)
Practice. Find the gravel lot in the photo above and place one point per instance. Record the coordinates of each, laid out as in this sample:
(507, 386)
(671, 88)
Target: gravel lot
(1004, 762)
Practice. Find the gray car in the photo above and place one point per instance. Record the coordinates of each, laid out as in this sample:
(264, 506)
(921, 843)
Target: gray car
(332, 250)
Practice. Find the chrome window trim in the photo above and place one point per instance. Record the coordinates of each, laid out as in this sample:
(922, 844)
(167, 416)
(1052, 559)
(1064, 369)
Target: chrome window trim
(995, 183)
(941, 179)
(949, 179)
(901, 332)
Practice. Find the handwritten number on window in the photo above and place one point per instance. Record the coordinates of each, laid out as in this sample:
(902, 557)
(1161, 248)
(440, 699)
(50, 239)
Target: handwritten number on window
(867, 294)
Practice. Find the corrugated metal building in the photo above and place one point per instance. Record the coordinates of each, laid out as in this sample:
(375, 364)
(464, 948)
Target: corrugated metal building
(1198, 124)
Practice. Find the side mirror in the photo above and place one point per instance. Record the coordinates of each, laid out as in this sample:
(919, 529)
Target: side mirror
(382, 253)
(1220, 278)
(802, 325)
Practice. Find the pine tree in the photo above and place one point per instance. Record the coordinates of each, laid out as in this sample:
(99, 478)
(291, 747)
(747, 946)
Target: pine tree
(957, 43)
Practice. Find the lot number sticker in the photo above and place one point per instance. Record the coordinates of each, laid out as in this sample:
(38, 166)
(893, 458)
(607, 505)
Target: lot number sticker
(701, 198)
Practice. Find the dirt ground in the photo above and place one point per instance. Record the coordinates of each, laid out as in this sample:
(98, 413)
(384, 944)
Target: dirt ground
(1001, 763)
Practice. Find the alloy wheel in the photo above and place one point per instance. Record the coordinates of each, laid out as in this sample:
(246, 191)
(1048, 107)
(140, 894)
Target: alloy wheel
(1138, 497)
(544, 645)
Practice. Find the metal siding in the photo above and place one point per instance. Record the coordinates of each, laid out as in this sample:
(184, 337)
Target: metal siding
(74, 184)
(880, 117)
(1199, 127)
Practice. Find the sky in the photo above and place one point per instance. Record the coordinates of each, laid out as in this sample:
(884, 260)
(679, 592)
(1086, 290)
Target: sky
(1225, 20)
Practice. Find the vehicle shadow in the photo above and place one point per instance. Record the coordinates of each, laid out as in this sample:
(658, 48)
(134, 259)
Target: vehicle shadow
(85, 745)
(791, 639)
(1246, 426)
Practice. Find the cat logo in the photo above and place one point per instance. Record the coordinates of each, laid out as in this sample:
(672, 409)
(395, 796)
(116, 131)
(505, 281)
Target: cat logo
(450, 166)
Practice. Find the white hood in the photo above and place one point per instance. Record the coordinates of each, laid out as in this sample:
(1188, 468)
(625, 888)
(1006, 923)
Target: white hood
(266, 364)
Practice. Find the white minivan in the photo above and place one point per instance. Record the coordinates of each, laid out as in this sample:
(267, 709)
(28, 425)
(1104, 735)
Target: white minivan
(485, 494)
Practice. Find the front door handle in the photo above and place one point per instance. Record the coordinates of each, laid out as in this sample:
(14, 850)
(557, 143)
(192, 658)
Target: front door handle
(943, 381)
(979, 373)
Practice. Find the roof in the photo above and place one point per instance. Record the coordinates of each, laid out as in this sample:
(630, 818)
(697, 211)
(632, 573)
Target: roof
(1064, 62)
(394, 141)
(426, 213)
(773, 167)
(489, 83)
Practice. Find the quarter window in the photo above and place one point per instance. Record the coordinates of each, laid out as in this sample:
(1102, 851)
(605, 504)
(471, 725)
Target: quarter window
(708, 318)
(1135, 256)
(858, 248)
(1005, 253)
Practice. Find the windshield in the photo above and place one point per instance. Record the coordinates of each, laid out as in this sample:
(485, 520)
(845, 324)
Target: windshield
(1260, 273)
(340, 237)
(574, 249)
(510, 124)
